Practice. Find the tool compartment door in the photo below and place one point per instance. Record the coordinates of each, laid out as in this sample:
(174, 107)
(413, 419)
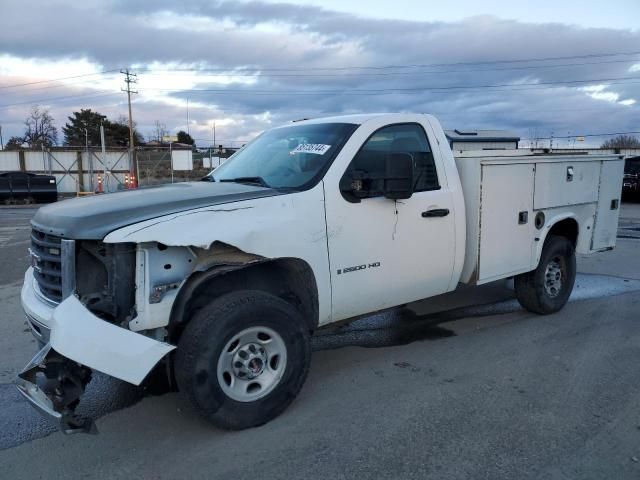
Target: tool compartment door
(606, 225)
(506, 221)
(559, 184)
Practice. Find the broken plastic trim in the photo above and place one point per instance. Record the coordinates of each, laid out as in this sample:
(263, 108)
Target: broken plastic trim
(53, 385)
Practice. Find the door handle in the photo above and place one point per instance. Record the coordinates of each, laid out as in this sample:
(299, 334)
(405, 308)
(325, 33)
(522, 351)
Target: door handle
(436, 212)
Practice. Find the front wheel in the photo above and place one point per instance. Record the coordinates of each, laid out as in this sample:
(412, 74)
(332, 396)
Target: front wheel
(243, 358)
(547, 288)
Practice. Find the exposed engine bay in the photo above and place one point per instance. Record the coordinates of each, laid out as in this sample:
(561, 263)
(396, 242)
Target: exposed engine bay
(105, 279)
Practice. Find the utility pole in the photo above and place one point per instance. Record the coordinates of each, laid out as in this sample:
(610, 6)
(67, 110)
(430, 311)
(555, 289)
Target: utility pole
(1, 142)
(130, 78)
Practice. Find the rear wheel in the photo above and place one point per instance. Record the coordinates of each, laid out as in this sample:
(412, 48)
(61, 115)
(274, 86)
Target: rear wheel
(547, 288)
(243, 358)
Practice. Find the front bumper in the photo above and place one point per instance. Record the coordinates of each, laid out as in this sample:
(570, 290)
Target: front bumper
(78, 335)
(37, 309)
(53, 385)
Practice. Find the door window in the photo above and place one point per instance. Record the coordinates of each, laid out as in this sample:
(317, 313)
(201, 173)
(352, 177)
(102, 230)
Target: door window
(403, 138)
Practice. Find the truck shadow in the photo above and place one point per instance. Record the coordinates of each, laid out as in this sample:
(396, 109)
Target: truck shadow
(418, 321)
(399, 326)
(453, 314)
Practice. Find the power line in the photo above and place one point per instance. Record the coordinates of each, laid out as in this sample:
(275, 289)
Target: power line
(435, 89)
(259, 73)
(424, 65)
(370, 67)
(58, 79)
(76, 84)
(363, 67)
(82, 84)
(515, 86)
(56, 99)
(495, 88)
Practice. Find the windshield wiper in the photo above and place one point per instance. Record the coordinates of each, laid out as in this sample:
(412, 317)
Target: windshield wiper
(250, 180)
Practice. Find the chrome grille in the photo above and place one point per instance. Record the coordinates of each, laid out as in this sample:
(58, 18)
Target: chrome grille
(46, 260)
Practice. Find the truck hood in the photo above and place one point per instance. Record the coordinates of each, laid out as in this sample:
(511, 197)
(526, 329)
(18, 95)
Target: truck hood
(92, 218)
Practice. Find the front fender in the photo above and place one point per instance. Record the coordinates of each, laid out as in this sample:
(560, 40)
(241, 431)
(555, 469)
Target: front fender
(283, 226)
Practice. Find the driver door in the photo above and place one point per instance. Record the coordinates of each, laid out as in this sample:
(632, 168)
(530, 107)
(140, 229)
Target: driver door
(383, 252)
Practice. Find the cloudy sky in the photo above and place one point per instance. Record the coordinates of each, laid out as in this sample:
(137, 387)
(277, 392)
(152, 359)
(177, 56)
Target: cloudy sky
(561, 67)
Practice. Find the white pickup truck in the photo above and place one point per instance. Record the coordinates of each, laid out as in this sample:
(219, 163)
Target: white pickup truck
(223, 281)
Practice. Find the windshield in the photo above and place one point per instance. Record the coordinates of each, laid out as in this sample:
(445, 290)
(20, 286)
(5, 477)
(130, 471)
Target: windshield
(287, 157)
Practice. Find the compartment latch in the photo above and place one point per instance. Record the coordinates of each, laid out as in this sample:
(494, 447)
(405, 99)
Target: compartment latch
(569, 174)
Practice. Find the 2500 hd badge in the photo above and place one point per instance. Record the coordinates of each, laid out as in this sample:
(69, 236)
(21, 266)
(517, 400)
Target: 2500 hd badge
(358, 267)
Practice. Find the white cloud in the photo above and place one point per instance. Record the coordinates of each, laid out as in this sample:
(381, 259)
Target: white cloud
(606, 96)
(43, 67)
(599, 92)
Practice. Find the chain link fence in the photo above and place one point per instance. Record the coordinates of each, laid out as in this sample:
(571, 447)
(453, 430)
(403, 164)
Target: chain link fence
(84, 170)
(156, 167)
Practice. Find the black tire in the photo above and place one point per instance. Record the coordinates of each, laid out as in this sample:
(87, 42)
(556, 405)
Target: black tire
(535, 291)
(208, 333)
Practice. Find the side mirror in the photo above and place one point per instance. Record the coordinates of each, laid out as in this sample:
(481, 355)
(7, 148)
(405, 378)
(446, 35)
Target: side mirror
(398, 180)
(352, 186)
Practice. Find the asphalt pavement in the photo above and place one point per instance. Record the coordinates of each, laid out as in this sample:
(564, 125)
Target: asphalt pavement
(466, 385)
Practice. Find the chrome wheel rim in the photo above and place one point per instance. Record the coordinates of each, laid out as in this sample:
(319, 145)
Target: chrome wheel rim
(553, 278)
(252, 363)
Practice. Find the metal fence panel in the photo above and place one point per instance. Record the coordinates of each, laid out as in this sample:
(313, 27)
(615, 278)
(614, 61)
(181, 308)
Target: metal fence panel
(9, 161)
(35, 161)
(182, 159)
(63, 160)
(155, 166)
(66, 183)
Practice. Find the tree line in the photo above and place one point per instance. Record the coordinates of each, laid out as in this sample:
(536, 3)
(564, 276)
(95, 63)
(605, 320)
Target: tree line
(83, 128)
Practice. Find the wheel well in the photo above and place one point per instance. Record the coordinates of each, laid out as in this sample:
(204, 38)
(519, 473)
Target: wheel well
(288, 278)
(567, 228)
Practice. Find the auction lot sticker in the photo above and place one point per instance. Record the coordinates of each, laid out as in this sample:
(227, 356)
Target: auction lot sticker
(315, 148)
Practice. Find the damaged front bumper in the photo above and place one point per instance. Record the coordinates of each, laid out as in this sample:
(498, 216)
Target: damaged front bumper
(80, 342)
(53, 385)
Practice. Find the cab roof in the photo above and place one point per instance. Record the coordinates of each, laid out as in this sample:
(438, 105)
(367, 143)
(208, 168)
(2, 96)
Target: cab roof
(356, 119)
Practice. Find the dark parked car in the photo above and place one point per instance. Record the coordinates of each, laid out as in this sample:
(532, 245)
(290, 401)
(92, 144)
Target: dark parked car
(23, 187)
(631, 182)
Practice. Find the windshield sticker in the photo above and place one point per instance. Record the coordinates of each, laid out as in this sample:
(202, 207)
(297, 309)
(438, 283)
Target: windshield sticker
(315, 148)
